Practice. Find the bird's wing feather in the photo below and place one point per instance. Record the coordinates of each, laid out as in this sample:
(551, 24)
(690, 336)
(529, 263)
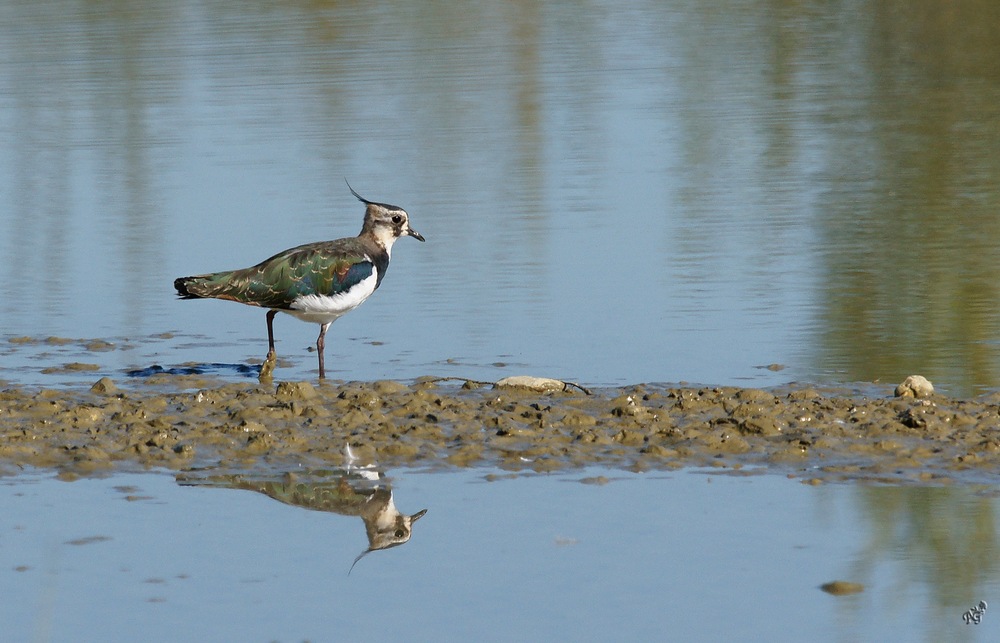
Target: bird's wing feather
(321, 268)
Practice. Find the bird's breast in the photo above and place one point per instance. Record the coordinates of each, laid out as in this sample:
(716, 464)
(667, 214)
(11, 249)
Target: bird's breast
(322, 309)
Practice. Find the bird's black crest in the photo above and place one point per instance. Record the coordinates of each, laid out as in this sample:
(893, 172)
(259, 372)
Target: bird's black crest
(359, 197)
(367, 202)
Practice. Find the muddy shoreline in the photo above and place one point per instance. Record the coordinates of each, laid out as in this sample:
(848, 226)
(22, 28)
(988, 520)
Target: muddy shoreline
(189, 422)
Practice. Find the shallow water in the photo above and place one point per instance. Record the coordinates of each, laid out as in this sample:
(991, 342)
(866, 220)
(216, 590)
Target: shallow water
(591, 555)
(669, 192)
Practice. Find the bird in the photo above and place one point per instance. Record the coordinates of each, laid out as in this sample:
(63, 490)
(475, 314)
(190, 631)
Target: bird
(315, 282)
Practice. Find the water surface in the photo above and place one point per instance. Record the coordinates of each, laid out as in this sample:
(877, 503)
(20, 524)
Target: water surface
(666, 192)
(663, 192)
(586, 556)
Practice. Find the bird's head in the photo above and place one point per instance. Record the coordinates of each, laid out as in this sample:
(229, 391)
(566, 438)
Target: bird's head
(385, 223)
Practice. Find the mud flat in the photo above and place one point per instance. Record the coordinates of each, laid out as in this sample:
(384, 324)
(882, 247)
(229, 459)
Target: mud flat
(190, 422)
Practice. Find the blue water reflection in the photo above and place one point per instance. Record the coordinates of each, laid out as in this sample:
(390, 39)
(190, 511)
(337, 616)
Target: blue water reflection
(585, 556)
(665, 192)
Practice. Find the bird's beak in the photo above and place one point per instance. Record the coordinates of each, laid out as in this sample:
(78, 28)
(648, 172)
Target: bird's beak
(413, 233)
(417, 516)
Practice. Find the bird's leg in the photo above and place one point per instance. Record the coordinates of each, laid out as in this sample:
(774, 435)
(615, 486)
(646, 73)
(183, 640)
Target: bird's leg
(270, 332)
(320, 344)
(268, 366)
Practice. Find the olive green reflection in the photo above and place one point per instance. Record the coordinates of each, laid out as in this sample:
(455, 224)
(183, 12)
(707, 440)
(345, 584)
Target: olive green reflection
(940, 538)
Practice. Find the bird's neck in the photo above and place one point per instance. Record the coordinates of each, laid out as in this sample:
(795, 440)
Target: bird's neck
(381, 239)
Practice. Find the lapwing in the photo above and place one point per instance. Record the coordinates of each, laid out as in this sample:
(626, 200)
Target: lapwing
(315, 282)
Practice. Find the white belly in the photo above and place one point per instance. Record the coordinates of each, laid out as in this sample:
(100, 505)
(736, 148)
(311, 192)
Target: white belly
(323, 309)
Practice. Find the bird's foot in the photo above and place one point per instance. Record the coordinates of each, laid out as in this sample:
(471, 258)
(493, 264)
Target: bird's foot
(267, 368)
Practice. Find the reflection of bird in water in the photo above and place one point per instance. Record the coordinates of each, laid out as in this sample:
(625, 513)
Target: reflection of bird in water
(333, 492)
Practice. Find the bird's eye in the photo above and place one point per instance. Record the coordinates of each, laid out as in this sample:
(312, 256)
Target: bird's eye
(397, 218)
(400, 533)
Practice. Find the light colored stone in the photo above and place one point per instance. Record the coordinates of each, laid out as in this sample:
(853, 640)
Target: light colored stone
(540, 384)
(104, 386)
(915, 386)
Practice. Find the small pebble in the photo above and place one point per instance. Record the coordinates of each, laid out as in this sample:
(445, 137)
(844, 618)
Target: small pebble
(539, 384)
(104, 386)
(842, 587)
(915, 386)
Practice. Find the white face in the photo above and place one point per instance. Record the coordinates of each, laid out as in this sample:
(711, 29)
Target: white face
(389, 224)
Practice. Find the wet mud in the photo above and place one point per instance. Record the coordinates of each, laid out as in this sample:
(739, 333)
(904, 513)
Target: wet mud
(187, 422)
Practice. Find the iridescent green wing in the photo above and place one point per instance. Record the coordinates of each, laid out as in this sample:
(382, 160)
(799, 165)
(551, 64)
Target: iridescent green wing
(314, 269)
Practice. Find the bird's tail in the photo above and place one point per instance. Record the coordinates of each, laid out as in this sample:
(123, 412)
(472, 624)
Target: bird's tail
(234, 285)
(182, 291)
(199, 286)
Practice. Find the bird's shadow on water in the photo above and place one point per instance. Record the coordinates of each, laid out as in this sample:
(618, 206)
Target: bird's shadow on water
(245, 370)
